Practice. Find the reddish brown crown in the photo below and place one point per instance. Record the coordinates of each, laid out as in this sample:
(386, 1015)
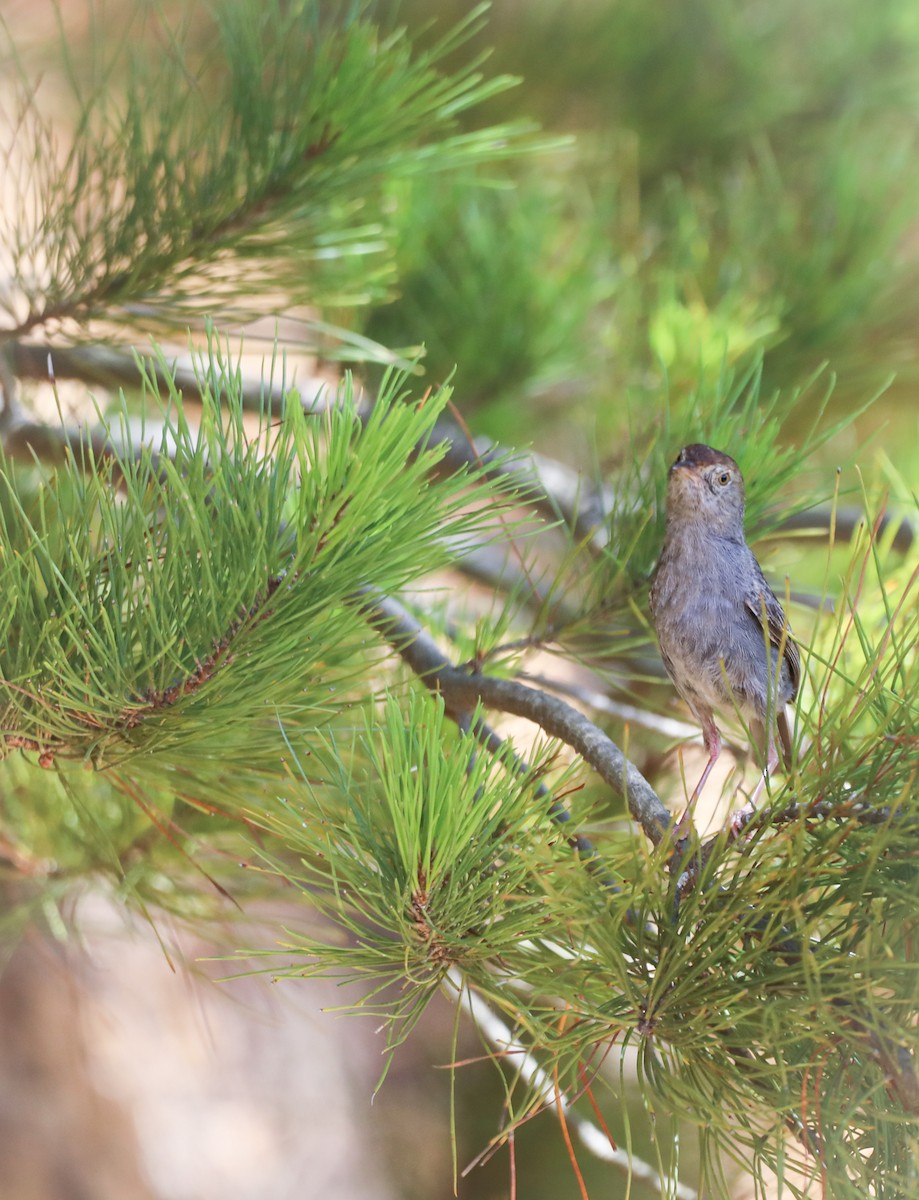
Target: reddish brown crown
(698, 455)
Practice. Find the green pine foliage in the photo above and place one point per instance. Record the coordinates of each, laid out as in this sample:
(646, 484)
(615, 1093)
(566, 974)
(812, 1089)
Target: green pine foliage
(248, 163)
(490, 263)
(199, 708)
(428, 854)
(254, 539)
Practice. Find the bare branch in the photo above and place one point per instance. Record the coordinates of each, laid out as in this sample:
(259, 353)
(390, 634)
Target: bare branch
(9, 392)
(665, 726)
(105, 366)
(820, 520)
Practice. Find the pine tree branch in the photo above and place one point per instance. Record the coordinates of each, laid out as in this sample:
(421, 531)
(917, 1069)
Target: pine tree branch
(554, 489)
(462, 690)
(9, 392)
(49, 443)
(847, 808)
(579, 842)
(106, 366)
(166, 184)
(665, 726)
(846, 521)
(500, 1037)
(893, 1058)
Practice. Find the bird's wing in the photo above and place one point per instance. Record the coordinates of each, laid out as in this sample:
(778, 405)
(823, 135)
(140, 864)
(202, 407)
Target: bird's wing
(762, 596)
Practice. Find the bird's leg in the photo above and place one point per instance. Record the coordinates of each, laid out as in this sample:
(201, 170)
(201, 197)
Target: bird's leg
(772, 761)
(712, 740)
(740, 818)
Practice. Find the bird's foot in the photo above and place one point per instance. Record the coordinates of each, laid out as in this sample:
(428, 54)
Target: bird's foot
(740, 820)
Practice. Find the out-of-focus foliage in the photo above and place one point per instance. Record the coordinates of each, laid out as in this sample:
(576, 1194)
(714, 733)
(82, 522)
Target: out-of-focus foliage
(246, 161)
(483, 271)
(743, 180)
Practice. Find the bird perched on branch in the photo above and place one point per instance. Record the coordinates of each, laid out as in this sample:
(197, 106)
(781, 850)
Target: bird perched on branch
(722, 633)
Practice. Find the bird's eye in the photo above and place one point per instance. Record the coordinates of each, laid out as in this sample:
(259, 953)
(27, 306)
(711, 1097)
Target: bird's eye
(724, 478)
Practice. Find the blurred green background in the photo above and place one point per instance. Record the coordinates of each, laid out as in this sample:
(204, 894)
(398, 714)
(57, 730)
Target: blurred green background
(740, 179)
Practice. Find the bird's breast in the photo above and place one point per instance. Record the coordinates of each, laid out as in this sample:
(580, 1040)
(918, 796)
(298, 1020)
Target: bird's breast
(711, 647)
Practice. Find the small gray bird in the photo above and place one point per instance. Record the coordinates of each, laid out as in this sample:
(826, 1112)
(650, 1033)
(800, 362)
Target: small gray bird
(715, 614)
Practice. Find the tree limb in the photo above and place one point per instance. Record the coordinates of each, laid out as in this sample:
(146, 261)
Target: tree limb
(461, 691)
(555, 489)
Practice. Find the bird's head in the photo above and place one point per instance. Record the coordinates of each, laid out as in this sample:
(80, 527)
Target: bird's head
(705, 487)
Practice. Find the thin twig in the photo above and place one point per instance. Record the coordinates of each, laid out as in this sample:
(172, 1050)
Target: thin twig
(666, 726)
(499, 1035)
(845, 808)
